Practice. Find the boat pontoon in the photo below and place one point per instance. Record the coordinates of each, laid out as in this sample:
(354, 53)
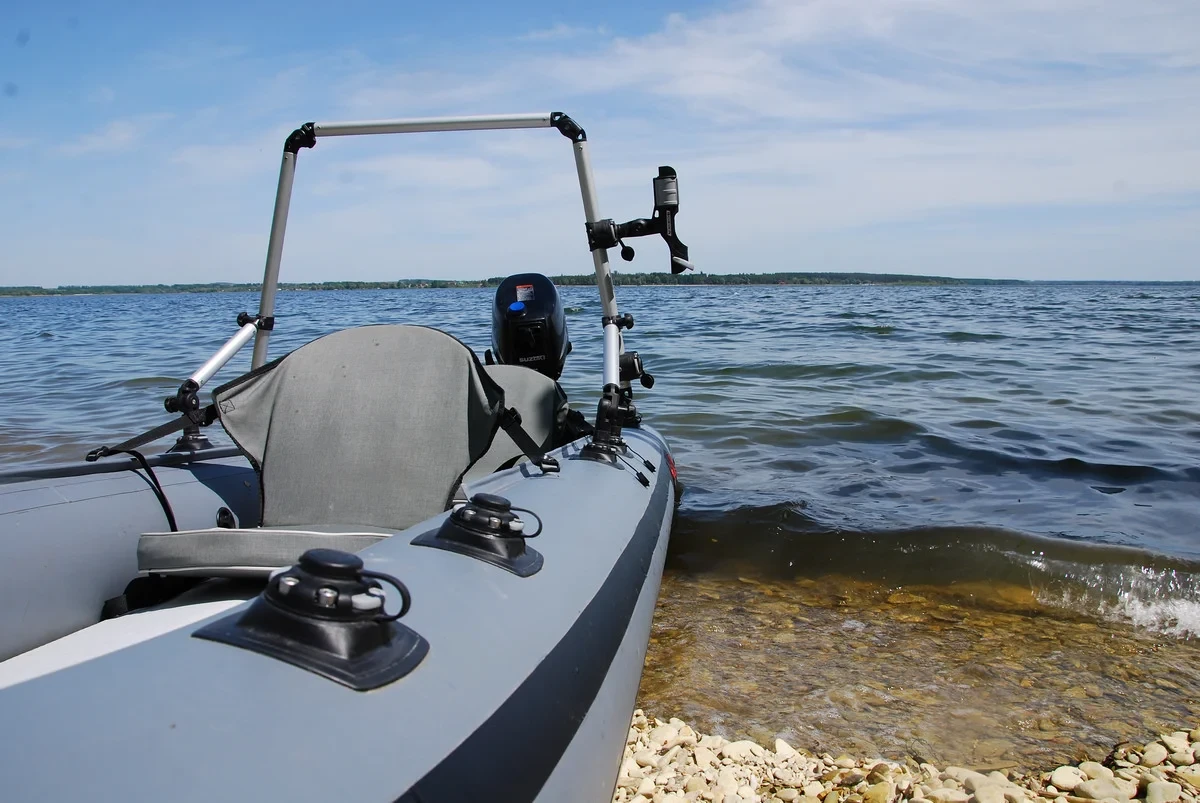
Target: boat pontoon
(343, 606)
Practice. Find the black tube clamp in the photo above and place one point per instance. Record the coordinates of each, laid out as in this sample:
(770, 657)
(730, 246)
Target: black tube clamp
(266, 324)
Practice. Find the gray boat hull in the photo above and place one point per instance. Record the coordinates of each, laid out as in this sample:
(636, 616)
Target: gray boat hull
(525, 694)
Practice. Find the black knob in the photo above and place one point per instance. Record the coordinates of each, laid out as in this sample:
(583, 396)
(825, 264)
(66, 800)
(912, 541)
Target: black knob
(647, 381)
(491, 503)
(331, 563)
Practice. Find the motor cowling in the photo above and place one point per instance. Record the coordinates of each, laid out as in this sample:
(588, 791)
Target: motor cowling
(529, 325)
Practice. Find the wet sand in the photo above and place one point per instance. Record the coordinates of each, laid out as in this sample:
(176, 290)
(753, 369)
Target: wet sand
(974, 674)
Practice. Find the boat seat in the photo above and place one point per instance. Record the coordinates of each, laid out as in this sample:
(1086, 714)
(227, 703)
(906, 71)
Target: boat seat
(541, 403)
(357, 434)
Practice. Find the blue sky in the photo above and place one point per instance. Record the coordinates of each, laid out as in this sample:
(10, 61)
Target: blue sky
(140, 142)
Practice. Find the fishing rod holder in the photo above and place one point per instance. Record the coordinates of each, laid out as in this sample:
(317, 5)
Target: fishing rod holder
(604, 234)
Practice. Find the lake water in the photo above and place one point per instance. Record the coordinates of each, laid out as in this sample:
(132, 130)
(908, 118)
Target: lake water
(954, 522)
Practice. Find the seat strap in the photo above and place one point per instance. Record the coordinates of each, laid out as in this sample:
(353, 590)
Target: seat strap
(510, 419)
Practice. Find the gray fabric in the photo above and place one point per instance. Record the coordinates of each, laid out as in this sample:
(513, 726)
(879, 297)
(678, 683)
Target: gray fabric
(368, 426)
(225, 552)
(538, 399)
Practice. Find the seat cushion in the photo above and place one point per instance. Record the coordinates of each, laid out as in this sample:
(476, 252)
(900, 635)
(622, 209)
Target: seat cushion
(220, 552)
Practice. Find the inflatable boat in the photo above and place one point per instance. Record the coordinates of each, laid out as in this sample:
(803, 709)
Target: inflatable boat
(402, 583)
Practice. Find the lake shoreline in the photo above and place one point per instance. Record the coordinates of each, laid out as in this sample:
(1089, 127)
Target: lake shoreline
(671, 762)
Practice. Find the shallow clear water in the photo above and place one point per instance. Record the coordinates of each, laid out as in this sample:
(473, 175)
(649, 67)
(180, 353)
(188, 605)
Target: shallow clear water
(1026, 458)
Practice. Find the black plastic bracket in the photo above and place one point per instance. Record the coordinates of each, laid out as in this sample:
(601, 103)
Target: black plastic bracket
(487, 529)
(568, 127)
(632, 368)
(267, 323)
(325, 614)
(303, 137)
(601, 234)
(185, 401)
(606, 442)
(621, 321)
(607, 453)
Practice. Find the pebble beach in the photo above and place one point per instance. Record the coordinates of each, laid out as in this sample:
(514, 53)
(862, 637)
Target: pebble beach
(670, 762)
(836, 689)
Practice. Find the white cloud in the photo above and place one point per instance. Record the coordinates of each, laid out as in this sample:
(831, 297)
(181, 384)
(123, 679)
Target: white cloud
(230, 162)
(563, 31)
(102, 94)
(191, 55)
(955, 137)
(115, 136)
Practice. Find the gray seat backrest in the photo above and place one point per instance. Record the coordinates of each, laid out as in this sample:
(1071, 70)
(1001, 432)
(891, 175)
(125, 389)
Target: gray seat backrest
(372, 426)
(539, 400)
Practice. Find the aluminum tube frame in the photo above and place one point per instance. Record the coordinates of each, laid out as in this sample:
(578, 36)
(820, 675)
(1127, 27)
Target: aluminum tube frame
(225, 354)
(614, 344)
(479, 123)
(287, 172)
(612, 353)
(591, 213)
(266, 304)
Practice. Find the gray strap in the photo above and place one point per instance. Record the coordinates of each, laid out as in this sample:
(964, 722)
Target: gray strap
(510, 419)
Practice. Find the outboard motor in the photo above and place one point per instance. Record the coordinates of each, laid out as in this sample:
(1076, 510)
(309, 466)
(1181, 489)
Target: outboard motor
(529, 327)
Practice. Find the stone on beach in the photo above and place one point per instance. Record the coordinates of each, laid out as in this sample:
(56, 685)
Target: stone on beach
(743, 750)
(784, 750)
(1095, 771)
(989, 794)
(882, 792)
(1163, 792)
(672, 763)
(1154, 754)
(1176, 742)
(1067, 778)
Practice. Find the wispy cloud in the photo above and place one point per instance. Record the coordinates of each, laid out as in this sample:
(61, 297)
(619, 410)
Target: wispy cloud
(191, 55)
(563, 31)
(116, 136)
(1043, 138)
(231, 162)
(102, 94)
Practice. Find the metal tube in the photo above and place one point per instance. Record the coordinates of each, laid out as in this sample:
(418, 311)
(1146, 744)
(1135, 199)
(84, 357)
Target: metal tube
(266, 305)
(478, 123)
(217, 361)
(612, 354)
(587, 187)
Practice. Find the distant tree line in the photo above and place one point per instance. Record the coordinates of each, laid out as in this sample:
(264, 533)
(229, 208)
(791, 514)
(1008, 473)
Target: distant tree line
(231, 287)
(698, 278)
(625, 279)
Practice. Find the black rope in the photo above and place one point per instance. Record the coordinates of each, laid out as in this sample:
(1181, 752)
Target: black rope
(155, 485)
(645, 462)
(640, 476)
